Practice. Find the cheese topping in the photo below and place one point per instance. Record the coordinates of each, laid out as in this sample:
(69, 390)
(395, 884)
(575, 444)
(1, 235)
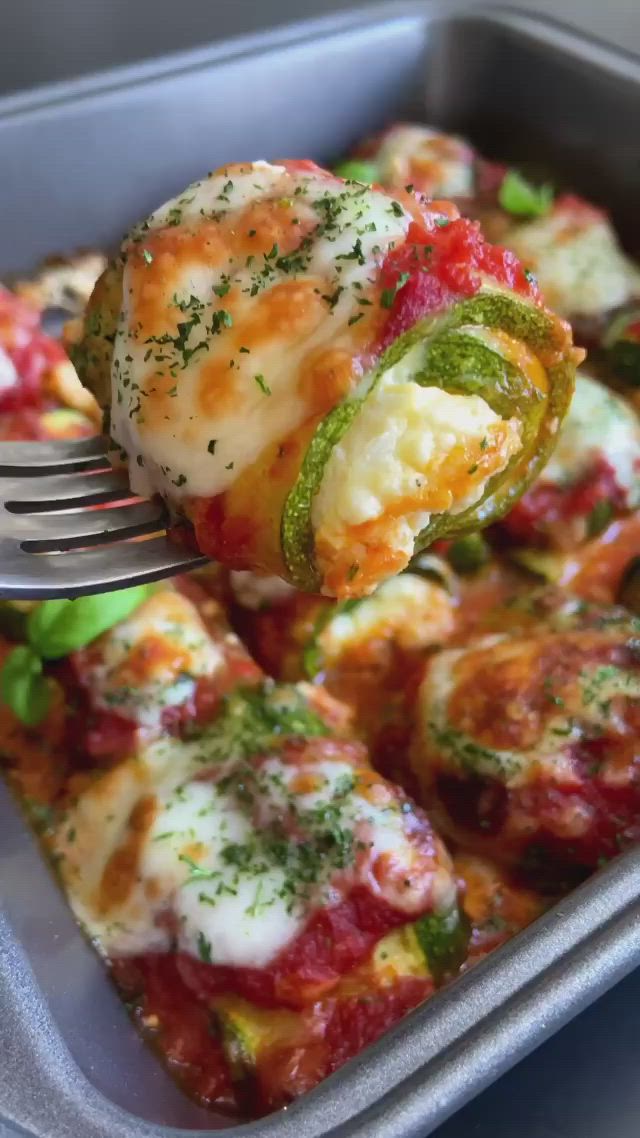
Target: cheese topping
(439, 165)
(151, 661)
(245, 310)
(576, 715)
(599, 425)
(413, 610)
(225, 856)
(576, 257)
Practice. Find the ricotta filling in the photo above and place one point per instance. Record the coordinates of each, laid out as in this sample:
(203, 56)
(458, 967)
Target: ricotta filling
(396, 452)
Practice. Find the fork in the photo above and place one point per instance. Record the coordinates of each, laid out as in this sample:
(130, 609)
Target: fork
(52, 544)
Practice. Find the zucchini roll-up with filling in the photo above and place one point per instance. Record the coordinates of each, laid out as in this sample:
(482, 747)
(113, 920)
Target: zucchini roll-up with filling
(435, 164)
(572, 248)
(526, 744)
(245, 867)
(319, 378)
(592, 477)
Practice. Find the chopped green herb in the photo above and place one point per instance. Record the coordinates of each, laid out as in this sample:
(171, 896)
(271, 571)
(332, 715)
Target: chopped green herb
(262, 384)
(389, 294)
(204, 948)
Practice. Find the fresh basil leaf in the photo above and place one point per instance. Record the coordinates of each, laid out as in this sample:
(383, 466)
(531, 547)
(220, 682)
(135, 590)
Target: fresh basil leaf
(23, 687)
(56, 628)
(521, 198)
(354, 170)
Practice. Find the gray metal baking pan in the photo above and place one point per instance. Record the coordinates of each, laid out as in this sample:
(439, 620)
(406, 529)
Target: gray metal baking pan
(78, 163)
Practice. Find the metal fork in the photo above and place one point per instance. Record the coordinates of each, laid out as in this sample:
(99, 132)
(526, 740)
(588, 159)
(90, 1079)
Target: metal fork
(53, 545)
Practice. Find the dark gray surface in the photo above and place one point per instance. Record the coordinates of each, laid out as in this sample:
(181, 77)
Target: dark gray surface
(136, 146)
(582, 1084)
(47, 40)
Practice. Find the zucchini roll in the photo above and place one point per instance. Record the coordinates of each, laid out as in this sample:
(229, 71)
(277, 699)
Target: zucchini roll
(526, 744)
(592, 477)
(575, 253)
(225, 843)
(436, 164)
(321, 379)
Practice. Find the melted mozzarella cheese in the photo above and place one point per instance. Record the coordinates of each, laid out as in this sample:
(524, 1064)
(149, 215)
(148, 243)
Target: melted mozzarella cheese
(227, 859)
(440, 165)
(584, 709)
(413, 610)
(579, 264)
(599, 425)
(152, 660)
(236, 310)
(394, 459)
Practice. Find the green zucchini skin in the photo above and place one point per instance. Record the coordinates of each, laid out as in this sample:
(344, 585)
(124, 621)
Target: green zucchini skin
(444, 940)
(433, 947)
(456, 359)
(621, 347)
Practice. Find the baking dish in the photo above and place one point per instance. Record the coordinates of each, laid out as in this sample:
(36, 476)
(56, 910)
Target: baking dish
(79, 162)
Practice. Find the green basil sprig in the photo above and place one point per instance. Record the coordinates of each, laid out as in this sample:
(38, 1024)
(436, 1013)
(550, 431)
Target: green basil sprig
(521, 198)
(54, 629)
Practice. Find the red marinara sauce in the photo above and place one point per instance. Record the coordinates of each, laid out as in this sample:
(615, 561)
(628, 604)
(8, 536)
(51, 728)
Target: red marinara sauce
(334, 941)
(443, 261)
(547, 508)
(177, 1025)
(31, 352)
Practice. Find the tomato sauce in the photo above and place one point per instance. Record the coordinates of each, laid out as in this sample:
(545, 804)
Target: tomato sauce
(440, 264)
(31, 352)
(547, 510)
(334, 941)
(177, 1025)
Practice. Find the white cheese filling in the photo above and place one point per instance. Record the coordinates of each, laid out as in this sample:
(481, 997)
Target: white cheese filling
(393, 449)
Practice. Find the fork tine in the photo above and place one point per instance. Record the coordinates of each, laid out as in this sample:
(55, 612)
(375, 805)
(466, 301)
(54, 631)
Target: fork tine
(29, 459)
(42, 576)
(45, 533)
(61, 491)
